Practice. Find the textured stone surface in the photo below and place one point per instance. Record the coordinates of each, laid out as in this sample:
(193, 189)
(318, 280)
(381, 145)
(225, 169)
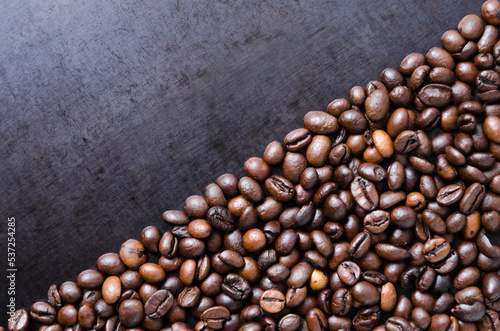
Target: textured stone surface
(114, 111)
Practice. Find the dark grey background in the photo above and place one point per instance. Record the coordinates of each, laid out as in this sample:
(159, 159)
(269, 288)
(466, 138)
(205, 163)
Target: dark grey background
(113, 111)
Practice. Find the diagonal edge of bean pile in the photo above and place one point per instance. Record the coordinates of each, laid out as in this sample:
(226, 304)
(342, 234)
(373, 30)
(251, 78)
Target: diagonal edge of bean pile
(376, 215)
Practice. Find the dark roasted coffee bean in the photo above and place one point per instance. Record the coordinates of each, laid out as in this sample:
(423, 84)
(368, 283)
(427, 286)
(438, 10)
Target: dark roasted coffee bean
(236, 287)
(374, 277)
(377, 221)
(360, 245)
(295, 296)
(434, 95)
(447, 265)
(436, 249)
(365, 293)
(43, 312)
(320, 122)
(290, 322)
(18, 321)
(411, 62)
(159, 304)
(366, 318)
(316, 320)
(341, 302)
(70, 292)
(365, 193)
(490, 321)
(472, 198)
(377, 105)
(299, 274)
(450, 194)
(410, 277)
(131, 313)
(272, 301)
(280, 188)
(215, 317)
(396, 323)
(298, 139)
(353, 121)
(349, 272)
(53, 296)
(391, 252)
(189, 297)
(322, 243)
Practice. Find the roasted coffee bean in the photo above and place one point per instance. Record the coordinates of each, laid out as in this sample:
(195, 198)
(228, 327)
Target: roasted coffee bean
(411, 62)
(391, 252)
(43, 312)
(338, 106)
(215, 317)
(18, 321)
(272, 301)
(436, 249)
(448, 264)
(159, 304)
(131, 313)
(365, 293)
(490, 321)
(299, 274)
(295, 296)
(366, 318)
(236, 287)
(297, 139)
(316, 320)
(320, 123)
(377, 221)
(341, 302)
(395, 323)
(365, 193)
(189, 297)
(450, 194)
(353, 120)
(349, 272)
(360, 245)
(221, 219)
(280, 188)
(256, 168)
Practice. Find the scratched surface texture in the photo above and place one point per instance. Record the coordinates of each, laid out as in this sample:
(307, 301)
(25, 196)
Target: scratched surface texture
(113, 111)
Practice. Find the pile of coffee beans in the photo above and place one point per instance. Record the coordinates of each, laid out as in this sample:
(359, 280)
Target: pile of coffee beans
(378, 214)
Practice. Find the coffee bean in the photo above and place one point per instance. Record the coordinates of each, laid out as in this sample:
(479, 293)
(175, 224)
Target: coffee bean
(450, 194)
(471, 27)
(377, 105)
(436, 249)
(215, 317)
(316, 320)
(43, 312)
(131, 313)
(390, 252)
(272, 301)
(365, 193)
(297, 139)
(236, 287)
(360, 245)
(221, 218)
(189, 297)
(53, 297)
(159, 304)
(366, 318)
(70, 292)
(349, 272)
(321, 123)
(490, 321)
